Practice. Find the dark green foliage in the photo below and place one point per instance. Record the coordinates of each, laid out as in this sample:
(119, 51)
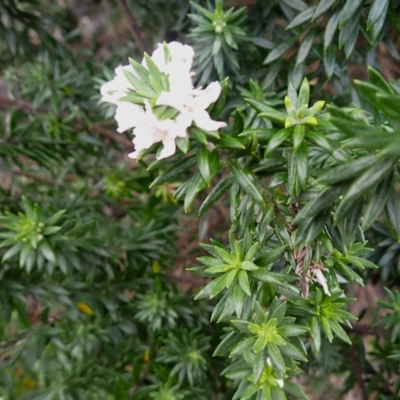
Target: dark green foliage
(305, 176)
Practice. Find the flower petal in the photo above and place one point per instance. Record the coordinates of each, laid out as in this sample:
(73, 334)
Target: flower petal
(319, 276)
(123, 81)
(128, 116)
(203, 121)
(182, 122)
(172, 100)
(203, 98)
(168, 149)
(158, 57)
(181, 53)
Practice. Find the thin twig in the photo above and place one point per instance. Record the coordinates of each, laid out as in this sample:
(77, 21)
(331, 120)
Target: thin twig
(364, 330)
(358, 373)
(133, 26)
(127, 144)
(23, 105)
(38, 178)
(6, 102)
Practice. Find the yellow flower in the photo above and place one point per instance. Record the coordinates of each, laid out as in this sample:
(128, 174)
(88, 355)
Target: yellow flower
(84, 308)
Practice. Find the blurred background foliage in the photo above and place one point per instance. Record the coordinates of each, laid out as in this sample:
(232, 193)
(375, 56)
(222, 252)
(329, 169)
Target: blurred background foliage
(94, 299)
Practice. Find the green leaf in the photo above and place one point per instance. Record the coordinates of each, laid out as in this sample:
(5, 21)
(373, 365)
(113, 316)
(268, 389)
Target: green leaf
(249, 392)
(198, 135)
(349, 10)
(336, 328)
(330, 30)
(183, 144)
(276, 358)
(369, 178)
(216, 193)
(227, 344)
(335, 235)
(260, 343)
(194, 187)
(319, 203)
(292, 351)
(24, 254)
(264, 275)
(349, 170)
(292, 330)
(392, 210)
(298, 135)
(351, 42)
(55, 218)
(259, 364)
(301, 158)
(238, 123)
(47, 251)
(142, 88)
(304, 94)
(301, 18)
(246, 181)
(327, 329)
(277, 310)
(206, 290)
(220, 104)
(294, 390)
(376, 28)
(280, 50)
(238, 296)
(51, 230)
(322, 7)
(243, 346)
(173, 172)
(312, 229)
(244, 282)
(270, 256)
(347, 271)
(267, 111)
(252, 251)
(329, 60)
(320, 140)
(293, 183)
(155, 73)
(316, 334)
(348, 30)
(260, 318)
(305, 48)
(277, 139)
(229, 142)
(12, 251)
(378, 8)
(203, 163)
(378, 80)
(377, 202)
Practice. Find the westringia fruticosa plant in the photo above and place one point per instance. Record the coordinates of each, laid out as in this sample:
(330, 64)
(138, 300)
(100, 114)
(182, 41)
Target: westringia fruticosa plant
(301, 193)
(256, 137)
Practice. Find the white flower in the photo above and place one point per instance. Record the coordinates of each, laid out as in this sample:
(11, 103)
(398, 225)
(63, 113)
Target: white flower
(128, 115)
(112, 91)
(320, 278)
(280, 382)
(150, 130)
(192, 107)
(179, 54)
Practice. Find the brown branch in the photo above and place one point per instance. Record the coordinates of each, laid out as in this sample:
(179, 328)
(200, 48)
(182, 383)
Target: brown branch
(6, 102)
(358, 373)
(133, 26)
(38, 178)
(127, 144)
(365, 330)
